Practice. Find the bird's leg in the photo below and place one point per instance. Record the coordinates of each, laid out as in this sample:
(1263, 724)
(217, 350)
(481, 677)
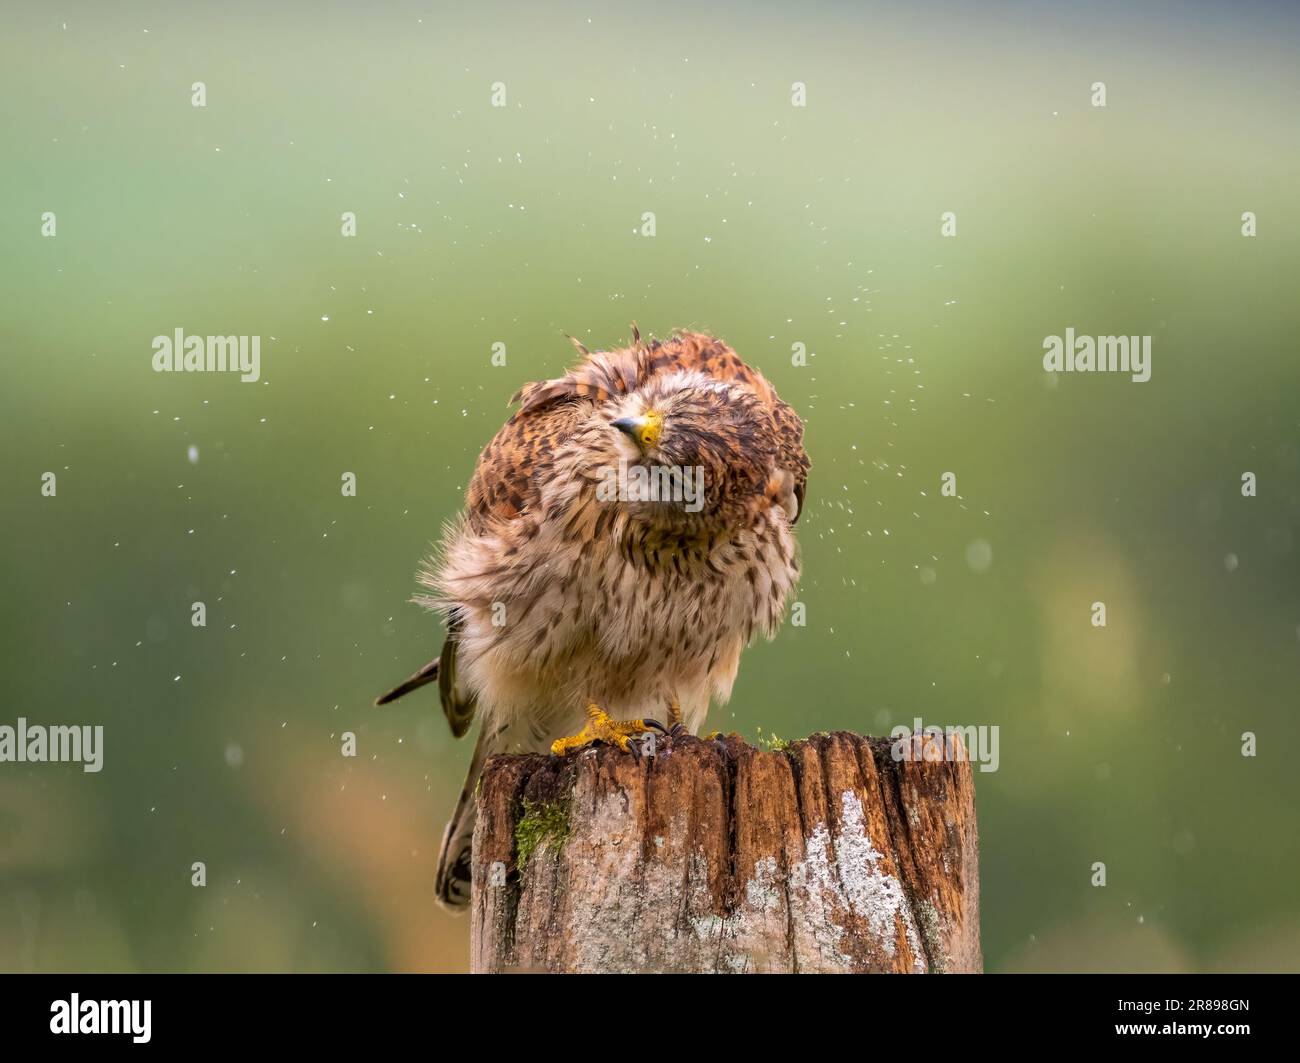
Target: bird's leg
(600, 728)
(676, 726)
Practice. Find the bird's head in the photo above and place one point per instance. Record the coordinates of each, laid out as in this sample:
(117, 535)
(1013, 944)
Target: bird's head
(690, 446)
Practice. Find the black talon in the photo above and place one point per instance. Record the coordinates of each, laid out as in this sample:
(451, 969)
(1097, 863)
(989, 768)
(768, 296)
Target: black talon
(678, 730)
(657, 726)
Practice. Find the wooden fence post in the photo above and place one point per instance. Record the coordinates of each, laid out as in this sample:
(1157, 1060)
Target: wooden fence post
(713, 856)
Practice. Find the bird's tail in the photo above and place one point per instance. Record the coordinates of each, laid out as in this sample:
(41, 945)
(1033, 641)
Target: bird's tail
(453, 879)
(428, 674)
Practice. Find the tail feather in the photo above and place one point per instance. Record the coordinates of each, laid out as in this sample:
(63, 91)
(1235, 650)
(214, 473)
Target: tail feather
(427, 674)
(452, 883)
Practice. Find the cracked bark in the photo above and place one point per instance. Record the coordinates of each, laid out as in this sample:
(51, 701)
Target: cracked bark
(827, 856)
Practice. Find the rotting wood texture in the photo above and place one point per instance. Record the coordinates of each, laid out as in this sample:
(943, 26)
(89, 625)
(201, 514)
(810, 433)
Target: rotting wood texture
(829, 855)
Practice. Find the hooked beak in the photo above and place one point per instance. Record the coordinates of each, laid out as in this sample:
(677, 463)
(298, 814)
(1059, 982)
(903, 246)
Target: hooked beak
(630, 426)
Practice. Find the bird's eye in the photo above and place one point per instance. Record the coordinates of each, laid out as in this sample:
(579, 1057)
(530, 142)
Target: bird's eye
(645, 429)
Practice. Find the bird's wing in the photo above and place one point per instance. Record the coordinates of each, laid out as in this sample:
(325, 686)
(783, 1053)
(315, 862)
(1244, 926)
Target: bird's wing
(507, 479)
(458, 704)
(789, 431)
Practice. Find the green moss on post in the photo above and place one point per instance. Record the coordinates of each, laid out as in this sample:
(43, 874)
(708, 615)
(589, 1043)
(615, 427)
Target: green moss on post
(538, 822)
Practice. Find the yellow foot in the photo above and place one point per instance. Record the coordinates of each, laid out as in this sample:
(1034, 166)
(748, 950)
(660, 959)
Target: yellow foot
(600, 728)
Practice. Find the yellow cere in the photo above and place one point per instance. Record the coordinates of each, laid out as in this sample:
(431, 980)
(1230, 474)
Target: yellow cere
(652, 426)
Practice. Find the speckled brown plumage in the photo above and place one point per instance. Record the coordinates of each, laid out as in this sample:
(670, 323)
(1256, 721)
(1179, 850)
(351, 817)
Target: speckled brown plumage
(558, 596)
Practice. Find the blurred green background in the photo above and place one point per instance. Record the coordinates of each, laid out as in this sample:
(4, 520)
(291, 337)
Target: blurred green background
(775, 225)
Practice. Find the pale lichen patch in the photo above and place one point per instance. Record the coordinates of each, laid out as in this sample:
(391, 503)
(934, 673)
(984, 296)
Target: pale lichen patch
(844, 873)
(730, 936)
(872, 894)
(761, 891)
(810, 880)
(932, 934)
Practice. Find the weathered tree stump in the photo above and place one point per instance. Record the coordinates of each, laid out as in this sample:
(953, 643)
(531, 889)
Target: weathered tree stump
(828, 855)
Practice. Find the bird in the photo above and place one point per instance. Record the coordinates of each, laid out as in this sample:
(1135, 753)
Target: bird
(626, 534)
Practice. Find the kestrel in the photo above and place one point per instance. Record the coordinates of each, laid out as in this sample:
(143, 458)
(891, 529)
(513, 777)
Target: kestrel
(626, 534)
